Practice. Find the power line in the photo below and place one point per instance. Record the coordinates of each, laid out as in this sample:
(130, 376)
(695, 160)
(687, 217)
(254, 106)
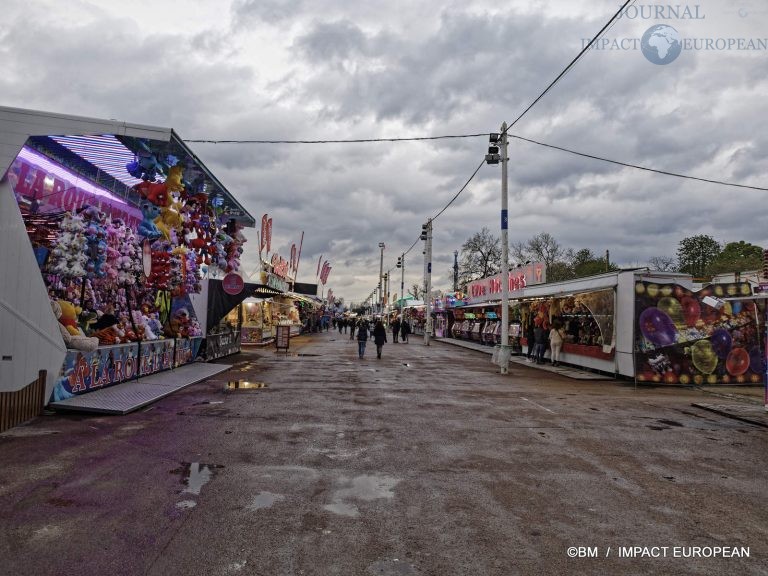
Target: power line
(343, 141)
(637, 166)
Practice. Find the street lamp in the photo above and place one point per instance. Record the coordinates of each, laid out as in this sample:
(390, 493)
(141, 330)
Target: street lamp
(381, 278)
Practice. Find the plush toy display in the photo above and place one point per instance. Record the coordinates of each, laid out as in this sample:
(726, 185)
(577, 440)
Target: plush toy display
(108, 331)
(148, 228)
(74, 337)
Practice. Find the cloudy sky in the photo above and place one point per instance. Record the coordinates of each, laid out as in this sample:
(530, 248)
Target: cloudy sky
(332, 69)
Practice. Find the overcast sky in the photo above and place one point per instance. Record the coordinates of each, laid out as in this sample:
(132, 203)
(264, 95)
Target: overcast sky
(332, 69)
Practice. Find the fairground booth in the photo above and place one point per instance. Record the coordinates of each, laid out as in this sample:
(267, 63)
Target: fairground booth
(654, 327)
(109, 232)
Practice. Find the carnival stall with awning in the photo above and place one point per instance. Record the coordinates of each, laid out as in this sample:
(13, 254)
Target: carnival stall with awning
(108, 231)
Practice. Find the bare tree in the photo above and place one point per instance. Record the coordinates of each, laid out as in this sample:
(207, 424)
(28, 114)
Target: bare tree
(662, 263)
(480, 257)
(541, 248)
(416, 291)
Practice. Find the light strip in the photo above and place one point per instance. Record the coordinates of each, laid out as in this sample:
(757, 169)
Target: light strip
(74, 179)
(105, 152)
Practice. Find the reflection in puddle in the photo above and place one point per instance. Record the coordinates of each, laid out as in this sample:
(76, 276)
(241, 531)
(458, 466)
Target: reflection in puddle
(361, 488)
(245, 385)
(197, 475)
(264, 500)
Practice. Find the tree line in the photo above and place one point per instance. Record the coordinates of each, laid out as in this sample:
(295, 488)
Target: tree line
(700, 256)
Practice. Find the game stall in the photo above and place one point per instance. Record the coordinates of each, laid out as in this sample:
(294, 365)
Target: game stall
(115, 229)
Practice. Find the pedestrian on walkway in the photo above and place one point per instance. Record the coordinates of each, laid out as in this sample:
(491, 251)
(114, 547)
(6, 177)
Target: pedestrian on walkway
(352, 328)
(362, 339)
(405, 329)
(395, 329)
(529, 333)
(379, 337)
(539, 341)
(339, 324)
(556, 336)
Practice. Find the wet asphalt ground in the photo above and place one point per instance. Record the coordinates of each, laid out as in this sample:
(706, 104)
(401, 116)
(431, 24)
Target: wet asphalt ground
(426, 462)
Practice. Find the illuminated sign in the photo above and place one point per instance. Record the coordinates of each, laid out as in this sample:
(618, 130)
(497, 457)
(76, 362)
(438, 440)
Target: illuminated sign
(490, 288)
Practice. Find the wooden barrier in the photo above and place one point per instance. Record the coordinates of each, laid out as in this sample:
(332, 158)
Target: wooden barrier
(22, 405)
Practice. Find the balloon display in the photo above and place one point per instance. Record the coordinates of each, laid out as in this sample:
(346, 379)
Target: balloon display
(721, 342)
(704, 357)
(737, 362)
(672, 308)
(657, 327)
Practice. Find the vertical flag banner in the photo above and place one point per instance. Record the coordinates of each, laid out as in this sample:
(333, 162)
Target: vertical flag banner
(263, 238)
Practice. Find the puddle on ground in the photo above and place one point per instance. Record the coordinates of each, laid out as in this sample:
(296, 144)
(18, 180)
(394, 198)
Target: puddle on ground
(264, 500)
(195, 475)
(364, 488)
(186, 504)
(245, 385)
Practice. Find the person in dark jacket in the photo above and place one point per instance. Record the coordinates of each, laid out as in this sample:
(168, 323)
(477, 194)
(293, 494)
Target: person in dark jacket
(395, 329)
(529, 337)
(379, 337)
(405, 329)
(362, 339)
(540, 340)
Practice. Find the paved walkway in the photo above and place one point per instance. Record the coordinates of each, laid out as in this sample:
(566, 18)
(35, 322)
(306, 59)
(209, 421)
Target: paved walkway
(562, 370)
(427, 462)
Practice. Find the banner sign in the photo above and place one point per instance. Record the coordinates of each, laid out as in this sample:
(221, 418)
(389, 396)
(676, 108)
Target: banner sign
(49, 186)
(220, 345)
(686, 337)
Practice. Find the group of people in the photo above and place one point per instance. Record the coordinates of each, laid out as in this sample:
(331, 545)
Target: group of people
(379, 335)
(539, 337)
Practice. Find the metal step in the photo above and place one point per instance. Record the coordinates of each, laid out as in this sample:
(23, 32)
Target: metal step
(129, 396)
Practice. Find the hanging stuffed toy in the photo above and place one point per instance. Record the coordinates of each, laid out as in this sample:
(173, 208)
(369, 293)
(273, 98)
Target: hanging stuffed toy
(68, 258)
(147, 228)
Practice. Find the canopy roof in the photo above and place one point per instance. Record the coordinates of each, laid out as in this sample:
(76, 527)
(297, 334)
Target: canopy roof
(100, 149)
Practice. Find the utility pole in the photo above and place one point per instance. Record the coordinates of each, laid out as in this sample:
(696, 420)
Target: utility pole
(381, 279)
(504, 352)
(401, 265)
(494, 157)
(455, 271)
(426, 235)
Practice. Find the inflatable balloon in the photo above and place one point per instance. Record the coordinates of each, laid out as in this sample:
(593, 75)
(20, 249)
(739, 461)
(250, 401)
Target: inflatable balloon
(703, 356)
(671, 307)
(736, 307)
(756, 360)
(691, 310)
(652, 290)
(737, 362)
(721, 342)
(657, 327)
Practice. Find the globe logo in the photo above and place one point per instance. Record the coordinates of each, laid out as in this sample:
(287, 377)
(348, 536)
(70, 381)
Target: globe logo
(661, 44)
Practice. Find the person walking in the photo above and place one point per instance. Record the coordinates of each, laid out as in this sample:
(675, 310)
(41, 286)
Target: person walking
(395, 329)
(362, 339)
(539, 341)
(556, 336)
(529, 333)
(405, 329)
(379, 337)
(352, 325)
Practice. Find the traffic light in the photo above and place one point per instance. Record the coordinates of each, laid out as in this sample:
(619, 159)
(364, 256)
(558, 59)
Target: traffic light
(399, 261)
(424, 228)
(493, 155)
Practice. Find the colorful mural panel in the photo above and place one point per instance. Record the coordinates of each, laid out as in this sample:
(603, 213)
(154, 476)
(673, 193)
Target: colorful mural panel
(87, 371)
(686, 337)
